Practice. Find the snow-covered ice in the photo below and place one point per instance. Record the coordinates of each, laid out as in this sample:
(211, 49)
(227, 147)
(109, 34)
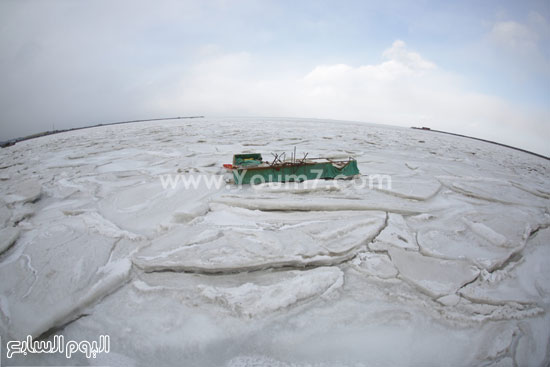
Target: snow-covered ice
(447, 266)
(434, 276)
(250, 299)
(261, 242)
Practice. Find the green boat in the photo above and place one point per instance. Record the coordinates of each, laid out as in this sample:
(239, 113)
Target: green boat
(252, 169)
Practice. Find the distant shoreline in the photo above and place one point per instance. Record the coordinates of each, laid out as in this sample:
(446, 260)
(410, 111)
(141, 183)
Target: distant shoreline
(11, 142)
(484, 140)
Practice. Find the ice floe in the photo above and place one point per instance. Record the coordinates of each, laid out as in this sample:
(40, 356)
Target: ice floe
(241, 248)
(397, 233)
(251, 299)
(436, 277)
(524, 281)
(8, 236)
(25, 191)
(52, 257)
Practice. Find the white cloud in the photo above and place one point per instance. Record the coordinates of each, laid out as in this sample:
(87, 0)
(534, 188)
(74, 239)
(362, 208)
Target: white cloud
(399, 62)
(516, 36)
(521, 47)
(399, 53)
(513, 36)
(404, 89)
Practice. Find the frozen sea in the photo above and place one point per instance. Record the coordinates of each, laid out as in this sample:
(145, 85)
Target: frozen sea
(447, 266)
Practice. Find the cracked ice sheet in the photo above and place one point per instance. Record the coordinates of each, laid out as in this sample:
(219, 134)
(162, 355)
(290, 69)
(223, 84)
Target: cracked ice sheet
(147, 207)
(242, 243)
(335, 331)
(435, 277)
(393, 324)
(483, 236)
(524, 281)
(397, 233)
(66, 255)
(492, 189)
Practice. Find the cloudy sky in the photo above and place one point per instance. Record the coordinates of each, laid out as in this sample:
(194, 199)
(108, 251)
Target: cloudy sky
(480, 68)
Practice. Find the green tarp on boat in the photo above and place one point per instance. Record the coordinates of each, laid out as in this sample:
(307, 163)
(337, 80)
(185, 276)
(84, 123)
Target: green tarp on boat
(249, 169)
